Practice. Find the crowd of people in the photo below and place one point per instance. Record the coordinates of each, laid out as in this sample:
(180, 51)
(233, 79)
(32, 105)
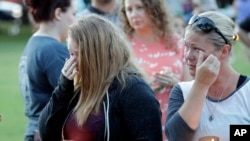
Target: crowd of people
(132, 70)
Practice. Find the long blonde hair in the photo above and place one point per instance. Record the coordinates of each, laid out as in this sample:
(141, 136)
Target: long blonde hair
(104, 55)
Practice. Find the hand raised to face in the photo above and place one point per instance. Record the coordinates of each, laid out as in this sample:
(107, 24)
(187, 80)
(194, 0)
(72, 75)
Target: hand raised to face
(69, 68)
(207, 68)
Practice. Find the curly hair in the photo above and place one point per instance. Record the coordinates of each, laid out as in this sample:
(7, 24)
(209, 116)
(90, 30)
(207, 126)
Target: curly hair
(157, 11)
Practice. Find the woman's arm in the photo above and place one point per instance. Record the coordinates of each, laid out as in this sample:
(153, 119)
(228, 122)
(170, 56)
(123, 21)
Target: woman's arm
(52, 116)
(176, 129)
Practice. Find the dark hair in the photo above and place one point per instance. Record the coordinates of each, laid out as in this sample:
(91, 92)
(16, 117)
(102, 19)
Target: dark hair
(43, 10)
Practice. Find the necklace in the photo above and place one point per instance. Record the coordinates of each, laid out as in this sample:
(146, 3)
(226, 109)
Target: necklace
(211, 116)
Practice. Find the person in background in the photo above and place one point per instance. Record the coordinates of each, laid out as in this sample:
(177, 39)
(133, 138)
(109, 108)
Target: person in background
(183, 8)
(226, 7)
(206, 106)
(105, 8)
(44, 56)
(200, 6)
(244, 30)
(102, 94)
(81, 5)
(157, 48)
(179, 24)
(244, 34)
(175, 6)
(242, 10)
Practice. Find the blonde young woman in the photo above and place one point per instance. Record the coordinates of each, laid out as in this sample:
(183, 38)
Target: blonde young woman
(110, 101)
(157, 48)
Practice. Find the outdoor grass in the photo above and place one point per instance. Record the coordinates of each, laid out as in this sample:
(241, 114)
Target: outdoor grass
(241, 58)
(13, 123)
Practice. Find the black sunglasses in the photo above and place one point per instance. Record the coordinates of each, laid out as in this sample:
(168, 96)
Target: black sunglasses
(206, 25)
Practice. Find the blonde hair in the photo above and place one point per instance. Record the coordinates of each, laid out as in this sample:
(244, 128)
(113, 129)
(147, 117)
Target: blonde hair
(223, 23)
(104, 55)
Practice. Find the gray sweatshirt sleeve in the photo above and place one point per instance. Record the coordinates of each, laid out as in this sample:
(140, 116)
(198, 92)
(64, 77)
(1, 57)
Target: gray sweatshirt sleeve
(176, 129)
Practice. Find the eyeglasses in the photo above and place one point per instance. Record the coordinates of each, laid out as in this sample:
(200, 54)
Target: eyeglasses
(206, 25)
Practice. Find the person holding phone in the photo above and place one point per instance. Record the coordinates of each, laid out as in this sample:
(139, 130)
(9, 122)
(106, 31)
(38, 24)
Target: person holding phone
(219, 95)
(102, 94)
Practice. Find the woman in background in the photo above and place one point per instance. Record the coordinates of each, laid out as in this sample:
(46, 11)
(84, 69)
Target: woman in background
(157, 48)
(44, 55)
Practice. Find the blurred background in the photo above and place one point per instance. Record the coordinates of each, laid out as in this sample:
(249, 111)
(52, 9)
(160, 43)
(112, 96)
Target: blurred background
(16, 27)
(14, 32)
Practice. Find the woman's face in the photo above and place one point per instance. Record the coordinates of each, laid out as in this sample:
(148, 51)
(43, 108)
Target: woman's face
(194, 43)
(74, 50)
(67, 18)
(137, 15)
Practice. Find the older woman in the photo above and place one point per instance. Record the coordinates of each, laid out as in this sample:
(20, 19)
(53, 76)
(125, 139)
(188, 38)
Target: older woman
(218, 96)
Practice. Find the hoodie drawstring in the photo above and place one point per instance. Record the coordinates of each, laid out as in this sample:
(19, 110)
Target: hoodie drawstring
(106, 112)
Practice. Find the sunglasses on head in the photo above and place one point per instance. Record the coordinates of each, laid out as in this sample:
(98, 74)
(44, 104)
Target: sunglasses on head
(206, 25)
